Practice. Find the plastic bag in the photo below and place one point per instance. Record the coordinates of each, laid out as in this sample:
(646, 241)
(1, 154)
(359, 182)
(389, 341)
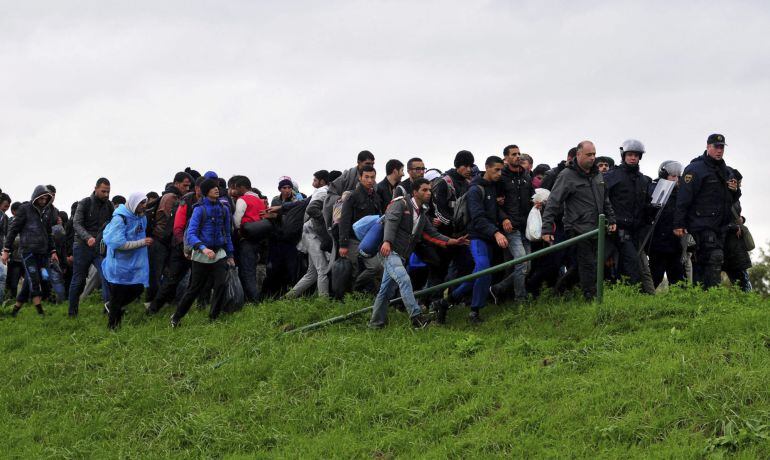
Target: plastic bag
(341, 275)
(234, 298)
(534, 230)
(362, 226)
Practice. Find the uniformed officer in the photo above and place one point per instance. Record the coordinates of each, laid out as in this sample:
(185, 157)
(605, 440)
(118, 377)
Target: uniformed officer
(627, 188)
(707, 191)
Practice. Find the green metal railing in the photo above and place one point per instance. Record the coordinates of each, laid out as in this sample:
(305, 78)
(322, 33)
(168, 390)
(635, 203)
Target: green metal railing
(598, 233)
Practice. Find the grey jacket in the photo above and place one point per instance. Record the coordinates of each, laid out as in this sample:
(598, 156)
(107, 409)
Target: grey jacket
(401, 233)
(581, 197)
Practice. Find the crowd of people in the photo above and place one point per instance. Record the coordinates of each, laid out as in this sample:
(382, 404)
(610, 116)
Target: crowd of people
(387, 233)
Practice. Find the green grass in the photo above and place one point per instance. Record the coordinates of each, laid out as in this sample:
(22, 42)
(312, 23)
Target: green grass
(683, 374)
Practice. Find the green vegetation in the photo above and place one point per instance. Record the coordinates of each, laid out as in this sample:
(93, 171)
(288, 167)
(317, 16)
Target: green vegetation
(683, 374)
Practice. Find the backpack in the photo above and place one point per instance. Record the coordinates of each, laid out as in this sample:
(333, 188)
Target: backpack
(292, 222)
(461, 215)
(337, 208)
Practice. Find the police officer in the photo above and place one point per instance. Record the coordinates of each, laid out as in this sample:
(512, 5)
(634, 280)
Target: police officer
(627, 189)
(707, 191)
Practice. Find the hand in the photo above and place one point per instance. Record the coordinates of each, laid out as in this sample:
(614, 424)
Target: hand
(231, 261)
(507, 226)
(148, 241)
(274, 209)
(612, 228)
(91, 242)
(54, 258)
(385, 249)
(501, 240)
(548, 238)
(732, 184)
(462, 241)
(738, 232)
(500, 200)
(680, 232)
(343, 252)
(5, 257)
(69, 260)
(538, 205)
(436, 222)
(209, 253)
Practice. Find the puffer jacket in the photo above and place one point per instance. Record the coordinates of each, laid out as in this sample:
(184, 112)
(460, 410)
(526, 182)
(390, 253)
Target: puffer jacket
(33, 226)
(126, 262)
(581, 196)
(213, 232)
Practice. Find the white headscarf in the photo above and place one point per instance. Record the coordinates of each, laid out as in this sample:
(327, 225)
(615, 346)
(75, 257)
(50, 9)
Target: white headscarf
(134, 200)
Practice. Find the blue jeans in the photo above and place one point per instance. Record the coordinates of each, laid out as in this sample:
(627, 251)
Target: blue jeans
(481, 252)
(82, 258)
(33, 285)
(3, 275)
(518, 247)
(394, 276)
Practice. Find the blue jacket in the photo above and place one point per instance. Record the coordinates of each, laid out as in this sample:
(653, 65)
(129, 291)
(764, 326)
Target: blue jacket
(214, 233)
(483, 209)
(704, 201)
(125, 266)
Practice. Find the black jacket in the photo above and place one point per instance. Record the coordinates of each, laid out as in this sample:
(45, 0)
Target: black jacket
(33, 226)
(360, 204)
(550, 177)
(484, 211)
(705, 201)
(581, 197)
(663, 240)
(385, 191)
(402, 234)
(91, 216)
(518, 190)
(404, 188)
(628, 190)
(446, 192)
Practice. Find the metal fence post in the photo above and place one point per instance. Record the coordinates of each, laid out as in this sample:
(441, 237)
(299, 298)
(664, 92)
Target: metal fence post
(600, 258)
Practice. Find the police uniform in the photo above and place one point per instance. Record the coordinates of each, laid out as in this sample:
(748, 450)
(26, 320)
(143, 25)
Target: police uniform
(704, 207)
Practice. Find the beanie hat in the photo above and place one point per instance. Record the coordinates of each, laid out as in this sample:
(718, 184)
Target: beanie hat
(285, 183)
(207, 185)
(211, 175)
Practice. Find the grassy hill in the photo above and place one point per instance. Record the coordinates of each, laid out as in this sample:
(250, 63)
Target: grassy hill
(684, 374)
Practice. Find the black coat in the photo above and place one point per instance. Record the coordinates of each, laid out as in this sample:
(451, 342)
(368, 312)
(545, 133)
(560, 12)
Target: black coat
(484, 211)
(446, 192)
(33, 226)
(91, 216)
(518, 190)
(705, 201)
(360, 204)
(629, 192)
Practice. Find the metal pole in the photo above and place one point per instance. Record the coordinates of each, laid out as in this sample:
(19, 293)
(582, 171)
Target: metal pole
(456, 281)
(600, 258)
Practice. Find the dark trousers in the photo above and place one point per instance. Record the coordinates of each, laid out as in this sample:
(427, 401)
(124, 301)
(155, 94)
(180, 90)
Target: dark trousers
(282, 267)
(709, 256)
(33, 276)
(158, 254)
(628, 253)
(438, 265)
(585, 254)
(15, 272)
(199, 274)
(668, 263)
(248, 258)
(120, 296)
(82, 259)
(177, 268)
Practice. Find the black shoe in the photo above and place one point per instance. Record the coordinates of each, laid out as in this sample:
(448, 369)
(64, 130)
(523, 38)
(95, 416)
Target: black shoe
(475, 317)
(174, 322)
(15, 310)
(40, 310)
(441, 307)
(493, 293)
(420, 321)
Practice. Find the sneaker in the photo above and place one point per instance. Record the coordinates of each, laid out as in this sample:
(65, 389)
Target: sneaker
(420, 321)
(441, 307)
(493, 294)
(475, 317)
(107, 308)
(15, 310)
(40, 310)
(174, 322)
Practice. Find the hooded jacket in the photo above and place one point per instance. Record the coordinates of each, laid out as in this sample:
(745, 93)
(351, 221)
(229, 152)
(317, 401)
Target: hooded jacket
(484, 211)
(704, 201)
(91, 216)
(581, 197)
(214, 232)
(33, 226)
(126, 262)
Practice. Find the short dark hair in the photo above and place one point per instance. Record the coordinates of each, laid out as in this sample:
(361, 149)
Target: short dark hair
(193, 174)
(493, 160)
(63, 216)
(367, 168)
(15, 206)
(322, 175)
(573, 151)
(4, 197)
(199, 181)
(118, 199)
(102, 180)
(508, 147)
(51, 189)
(604, 159)
(418, 183)
(153, 195)
(393, 165)
(333, 175)
(181, 176)
(464, 158)
(241, 181)
(413, 161)
(365, 155)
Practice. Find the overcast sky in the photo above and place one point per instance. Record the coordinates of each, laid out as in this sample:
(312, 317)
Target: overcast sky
(135, 91)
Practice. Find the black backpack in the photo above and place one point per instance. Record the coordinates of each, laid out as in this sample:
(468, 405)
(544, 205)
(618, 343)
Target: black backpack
(292, 221)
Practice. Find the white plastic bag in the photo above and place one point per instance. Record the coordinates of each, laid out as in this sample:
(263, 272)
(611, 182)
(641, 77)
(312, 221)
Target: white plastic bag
(534, 230)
